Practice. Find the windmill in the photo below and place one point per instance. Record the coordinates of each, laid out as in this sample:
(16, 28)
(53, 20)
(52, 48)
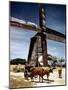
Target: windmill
(38, 44)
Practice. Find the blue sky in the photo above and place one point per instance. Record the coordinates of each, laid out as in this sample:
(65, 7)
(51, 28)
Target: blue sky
(20, 38)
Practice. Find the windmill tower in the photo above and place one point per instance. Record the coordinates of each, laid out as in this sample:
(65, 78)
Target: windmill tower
(38, 44)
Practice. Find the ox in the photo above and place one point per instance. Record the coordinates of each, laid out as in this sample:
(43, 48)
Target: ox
(41, 71)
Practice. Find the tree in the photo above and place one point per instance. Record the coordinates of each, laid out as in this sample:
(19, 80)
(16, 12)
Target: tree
(61, 60)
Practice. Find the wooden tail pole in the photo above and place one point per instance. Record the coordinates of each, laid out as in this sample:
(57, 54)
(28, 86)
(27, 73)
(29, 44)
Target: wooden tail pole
(42, 23)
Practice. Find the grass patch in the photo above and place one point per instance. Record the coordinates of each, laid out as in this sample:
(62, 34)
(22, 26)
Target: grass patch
(19, 82)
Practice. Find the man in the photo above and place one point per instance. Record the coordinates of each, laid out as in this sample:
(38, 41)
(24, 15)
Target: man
(60, 71)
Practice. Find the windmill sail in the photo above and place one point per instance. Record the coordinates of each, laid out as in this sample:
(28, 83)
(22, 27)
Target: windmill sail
(50, 33)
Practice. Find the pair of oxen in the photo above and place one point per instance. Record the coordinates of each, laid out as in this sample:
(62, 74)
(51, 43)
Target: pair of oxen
(37, 71)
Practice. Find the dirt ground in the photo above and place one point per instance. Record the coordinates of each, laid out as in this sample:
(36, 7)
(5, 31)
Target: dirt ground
(53, 79)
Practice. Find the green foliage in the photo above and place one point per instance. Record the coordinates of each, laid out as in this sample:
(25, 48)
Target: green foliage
(18, 61)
